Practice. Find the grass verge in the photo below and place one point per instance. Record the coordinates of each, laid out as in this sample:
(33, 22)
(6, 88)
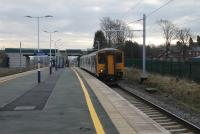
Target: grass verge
(186, 92)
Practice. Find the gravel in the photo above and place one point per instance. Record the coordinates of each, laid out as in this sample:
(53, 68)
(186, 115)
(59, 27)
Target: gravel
(163, 100)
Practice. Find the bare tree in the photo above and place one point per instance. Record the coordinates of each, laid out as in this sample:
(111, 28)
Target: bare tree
(169, 32)
(107, 24)
(116, 31)
(183, 35)
(120, 36)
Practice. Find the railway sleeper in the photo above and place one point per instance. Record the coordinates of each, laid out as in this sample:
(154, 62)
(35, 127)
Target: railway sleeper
(142, 105)
(168, 123)
(145, 108)
(160, 118)
(149, 110)
(152, 113)
(174, 127)
(142, 108)
(188, 133)
(179, 131)
(156, 115)
(135, 103)
(139, 105)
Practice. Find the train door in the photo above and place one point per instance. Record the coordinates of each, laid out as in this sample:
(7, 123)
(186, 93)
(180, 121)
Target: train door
(110, 63)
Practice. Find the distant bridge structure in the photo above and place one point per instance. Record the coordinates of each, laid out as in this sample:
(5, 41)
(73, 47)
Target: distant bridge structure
(74, 52)
(14, 56)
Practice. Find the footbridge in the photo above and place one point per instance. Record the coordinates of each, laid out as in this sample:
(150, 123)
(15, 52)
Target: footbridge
(26, 57)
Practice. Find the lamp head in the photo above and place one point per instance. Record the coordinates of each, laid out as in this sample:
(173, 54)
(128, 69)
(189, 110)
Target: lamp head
(47, 16)
(28, 16)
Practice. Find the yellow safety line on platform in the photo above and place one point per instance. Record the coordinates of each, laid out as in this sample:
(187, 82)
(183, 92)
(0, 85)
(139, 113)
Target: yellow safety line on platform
(17, 76)
(97, 124)
(7, 79)
(14, 77)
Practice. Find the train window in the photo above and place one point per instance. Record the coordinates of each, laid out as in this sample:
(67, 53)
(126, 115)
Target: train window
(93, 60)
(101, 58)
(119, 57)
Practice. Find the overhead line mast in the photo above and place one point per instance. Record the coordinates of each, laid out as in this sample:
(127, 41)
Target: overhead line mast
(144, 75)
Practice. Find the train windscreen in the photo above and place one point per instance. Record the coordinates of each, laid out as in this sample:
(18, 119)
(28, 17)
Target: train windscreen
(101, 58)
(118, 57)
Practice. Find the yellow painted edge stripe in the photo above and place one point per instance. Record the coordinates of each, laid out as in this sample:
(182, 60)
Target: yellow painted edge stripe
(18, 75)
(97, 124)
(7, 79)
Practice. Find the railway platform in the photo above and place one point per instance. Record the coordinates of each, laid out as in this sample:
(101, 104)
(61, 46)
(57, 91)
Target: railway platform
(70, 101)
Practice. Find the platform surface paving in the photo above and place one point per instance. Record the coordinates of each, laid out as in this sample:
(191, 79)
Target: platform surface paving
(126, 117)
(55, 106)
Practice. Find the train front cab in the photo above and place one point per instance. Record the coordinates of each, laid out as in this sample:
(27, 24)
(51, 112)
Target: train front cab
(110, 65)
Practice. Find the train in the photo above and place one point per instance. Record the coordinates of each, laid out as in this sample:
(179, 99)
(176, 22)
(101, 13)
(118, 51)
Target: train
(107, 64)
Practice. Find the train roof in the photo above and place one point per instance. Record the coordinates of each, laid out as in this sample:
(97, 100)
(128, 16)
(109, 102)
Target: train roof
(104, 49)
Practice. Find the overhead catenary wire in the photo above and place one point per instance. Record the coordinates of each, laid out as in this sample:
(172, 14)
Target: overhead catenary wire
(134, 21)
(137, 4)
(154, 11)
(133, 8)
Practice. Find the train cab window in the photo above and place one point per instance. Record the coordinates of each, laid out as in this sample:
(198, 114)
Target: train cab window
(119, 57)
(101, 58)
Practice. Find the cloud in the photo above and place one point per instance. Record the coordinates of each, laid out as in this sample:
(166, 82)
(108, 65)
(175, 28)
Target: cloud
(152, 2)
(77, 20)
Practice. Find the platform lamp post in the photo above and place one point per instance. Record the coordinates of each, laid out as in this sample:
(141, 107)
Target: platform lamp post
(98, 45)
(50, 64)
(20, 51)
(58, 50)
(38, 23)
(55, 54)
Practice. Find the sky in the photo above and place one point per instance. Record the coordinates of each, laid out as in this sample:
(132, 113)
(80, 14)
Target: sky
(77, 20)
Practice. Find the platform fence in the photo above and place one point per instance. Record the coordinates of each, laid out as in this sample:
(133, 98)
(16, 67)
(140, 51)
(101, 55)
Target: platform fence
(187, 70)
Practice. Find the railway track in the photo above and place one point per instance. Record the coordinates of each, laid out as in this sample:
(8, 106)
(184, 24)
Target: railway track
(168, 120)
